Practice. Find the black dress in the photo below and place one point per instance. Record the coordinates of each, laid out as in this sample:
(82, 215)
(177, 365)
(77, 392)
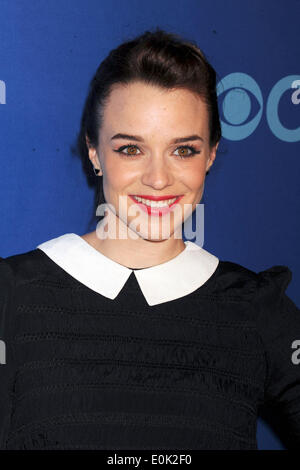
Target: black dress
(84, 371)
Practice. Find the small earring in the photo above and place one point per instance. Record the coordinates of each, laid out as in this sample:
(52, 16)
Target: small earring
(96, 171)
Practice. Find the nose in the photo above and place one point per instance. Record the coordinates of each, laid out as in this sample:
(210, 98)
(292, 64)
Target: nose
(157, 174)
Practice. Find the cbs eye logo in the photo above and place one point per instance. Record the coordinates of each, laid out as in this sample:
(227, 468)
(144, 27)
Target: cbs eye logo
(237, 105)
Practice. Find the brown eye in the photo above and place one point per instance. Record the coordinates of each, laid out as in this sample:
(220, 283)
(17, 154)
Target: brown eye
(183, 152)
(186, 151)
(131, 150)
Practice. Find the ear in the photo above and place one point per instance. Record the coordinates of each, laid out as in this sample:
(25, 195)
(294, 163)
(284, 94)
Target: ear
(212, 156)
(93, 155)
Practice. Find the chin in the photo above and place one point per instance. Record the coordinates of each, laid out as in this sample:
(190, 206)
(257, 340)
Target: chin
(156, 235)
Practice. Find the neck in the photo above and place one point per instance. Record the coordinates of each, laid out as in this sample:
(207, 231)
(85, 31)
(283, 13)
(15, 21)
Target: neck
(134, 252)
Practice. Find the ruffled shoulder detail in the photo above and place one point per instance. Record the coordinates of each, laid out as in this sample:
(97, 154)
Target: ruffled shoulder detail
(237, 280)
(25, 266)
(274, 279)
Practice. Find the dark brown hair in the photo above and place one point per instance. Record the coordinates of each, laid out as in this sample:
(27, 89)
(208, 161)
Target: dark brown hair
(157, 58)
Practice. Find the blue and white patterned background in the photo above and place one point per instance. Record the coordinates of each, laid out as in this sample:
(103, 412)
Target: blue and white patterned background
(49, 50)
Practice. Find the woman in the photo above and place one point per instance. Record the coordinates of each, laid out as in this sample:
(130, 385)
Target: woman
(127, 337)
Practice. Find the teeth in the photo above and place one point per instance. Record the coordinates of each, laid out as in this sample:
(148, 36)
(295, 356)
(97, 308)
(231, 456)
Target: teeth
(150, 203)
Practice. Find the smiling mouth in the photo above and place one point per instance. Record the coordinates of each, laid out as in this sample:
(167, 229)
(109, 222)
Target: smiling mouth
(158, 203)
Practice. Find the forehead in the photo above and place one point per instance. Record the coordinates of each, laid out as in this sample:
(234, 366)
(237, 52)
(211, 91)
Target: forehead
(147, 108)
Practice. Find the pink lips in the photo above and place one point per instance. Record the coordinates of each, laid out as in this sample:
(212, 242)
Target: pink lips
(158, 211)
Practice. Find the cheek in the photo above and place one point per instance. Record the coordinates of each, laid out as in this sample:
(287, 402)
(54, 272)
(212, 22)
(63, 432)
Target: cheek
(117, 175)
(194, 177)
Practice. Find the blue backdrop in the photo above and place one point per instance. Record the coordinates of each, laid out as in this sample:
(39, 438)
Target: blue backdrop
(49, 51)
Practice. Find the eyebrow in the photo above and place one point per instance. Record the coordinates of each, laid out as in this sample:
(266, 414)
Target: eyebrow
(173, 141)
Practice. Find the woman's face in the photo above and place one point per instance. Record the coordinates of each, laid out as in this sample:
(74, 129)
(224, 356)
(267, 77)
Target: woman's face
(167, 154)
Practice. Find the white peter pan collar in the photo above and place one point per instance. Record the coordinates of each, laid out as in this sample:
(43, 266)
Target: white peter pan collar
(161, 283)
